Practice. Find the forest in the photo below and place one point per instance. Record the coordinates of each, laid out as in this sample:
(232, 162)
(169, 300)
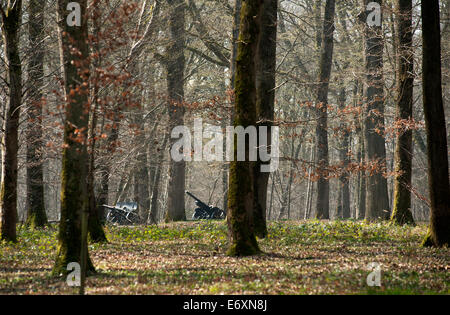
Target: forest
(209, 147)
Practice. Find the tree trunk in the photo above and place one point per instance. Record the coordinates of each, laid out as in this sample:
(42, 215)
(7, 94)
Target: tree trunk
(309, 188)
(175, 90)
(234, 46)
(265, 100)
(11, 20)
(344, 189)
(141, 176)
(113, 136)
(96, 233)
(235, 36)
(438, 181)
(377, 198)
(401, 212)
(36, 215)
(74, 194)
(326, 59)
(153, 216)
(241, 179)
(286, 193)
(361, 213)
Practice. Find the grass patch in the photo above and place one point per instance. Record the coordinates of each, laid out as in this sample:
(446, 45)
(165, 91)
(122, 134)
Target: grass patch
(305, 257)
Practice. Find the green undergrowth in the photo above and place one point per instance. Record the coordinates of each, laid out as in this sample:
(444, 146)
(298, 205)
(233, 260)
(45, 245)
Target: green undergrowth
(340, 230)
(203, 230)
(298, 257)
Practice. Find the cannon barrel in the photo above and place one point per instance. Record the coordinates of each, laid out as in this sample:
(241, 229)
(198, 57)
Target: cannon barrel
(196, 199)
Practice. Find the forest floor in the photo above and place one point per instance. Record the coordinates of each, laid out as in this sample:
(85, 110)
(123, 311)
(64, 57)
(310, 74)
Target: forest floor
(302, 257)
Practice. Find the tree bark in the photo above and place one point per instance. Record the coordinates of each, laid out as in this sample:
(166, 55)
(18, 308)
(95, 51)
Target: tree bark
(326, 59)
(141, 175)
(265, 101)
(235, 36)
(344, 187)
(377, 198)
(175, 90)
(111, 146)
(96, 233)
(438, 181)
(153, 216)
(234, 46)
(241, 196)
(74, 195)
(36, 215)
(362, 183)
(11, 20)
(361, 157)
(401, 212)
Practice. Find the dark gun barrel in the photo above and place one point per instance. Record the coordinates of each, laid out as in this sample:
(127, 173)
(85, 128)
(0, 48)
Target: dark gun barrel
(204, 211)
(200, 203)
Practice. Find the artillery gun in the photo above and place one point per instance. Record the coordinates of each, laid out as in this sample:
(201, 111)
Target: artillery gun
(205, 212)
(123, 213)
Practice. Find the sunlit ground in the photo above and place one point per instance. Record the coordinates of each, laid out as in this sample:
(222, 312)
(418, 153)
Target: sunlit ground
(312, 257)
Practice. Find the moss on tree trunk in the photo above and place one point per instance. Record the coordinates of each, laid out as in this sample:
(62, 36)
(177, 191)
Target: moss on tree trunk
(438, 176)
(401, 212)
(74, 174)
(11, 19)
(265, 86)
(241, 196)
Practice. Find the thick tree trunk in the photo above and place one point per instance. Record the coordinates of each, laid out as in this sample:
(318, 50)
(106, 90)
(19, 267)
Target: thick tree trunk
(175, 90)
(377, 198)
(230, 118)
(241, 179)
(11, 20)
(265, 100)
(401, 212)
(96, 233)
(36, 215)
(74, 194)
(326, 59)
(438, 181)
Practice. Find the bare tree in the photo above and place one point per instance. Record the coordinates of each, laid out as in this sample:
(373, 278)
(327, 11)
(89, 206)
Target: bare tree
(241, 196)
(401, 212)
(438, 180)
(377, 199)
(175, 89)
(74, 51)
(11, 20)
(326, 59)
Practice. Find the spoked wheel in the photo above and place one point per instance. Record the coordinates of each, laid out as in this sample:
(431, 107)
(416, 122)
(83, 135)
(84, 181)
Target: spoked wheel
(199, 214)
(218, 214)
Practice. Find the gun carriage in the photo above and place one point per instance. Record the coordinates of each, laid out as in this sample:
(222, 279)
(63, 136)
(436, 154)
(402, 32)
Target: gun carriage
(205, 212)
